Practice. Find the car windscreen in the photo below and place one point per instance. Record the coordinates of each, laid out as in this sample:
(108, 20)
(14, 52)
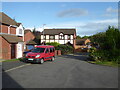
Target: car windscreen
(38, 50)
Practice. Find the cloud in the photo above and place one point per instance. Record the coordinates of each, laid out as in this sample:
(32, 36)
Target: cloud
(37, 28)
(63, 5)
(31, 28)
(100, 24)
(84, 28)
(94, 27)
(74, 12)
(111, 10)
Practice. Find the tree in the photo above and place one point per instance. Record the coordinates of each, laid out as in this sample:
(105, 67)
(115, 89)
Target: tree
(78, 37)
(34, 30)
(85, 37)
(109, 42)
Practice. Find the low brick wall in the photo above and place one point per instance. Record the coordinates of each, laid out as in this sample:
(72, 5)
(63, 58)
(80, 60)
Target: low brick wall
(57, 52)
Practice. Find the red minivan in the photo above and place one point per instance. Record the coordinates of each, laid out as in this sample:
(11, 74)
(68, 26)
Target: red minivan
(40, 54)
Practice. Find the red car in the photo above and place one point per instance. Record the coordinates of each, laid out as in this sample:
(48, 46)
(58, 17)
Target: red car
(40, 54)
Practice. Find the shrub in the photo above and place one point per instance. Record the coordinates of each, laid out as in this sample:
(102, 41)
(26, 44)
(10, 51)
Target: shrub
(109, 45)
(92, 50)
(65, 49)
(55, 44)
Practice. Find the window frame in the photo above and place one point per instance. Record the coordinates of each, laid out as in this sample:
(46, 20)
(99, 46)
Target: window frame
(52, 38)
(48, 50)
(61, 36)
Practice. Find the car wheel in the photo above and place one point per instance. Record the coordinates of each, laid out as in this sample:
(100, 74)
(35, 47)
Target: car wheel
(41, 61)
(53, 58)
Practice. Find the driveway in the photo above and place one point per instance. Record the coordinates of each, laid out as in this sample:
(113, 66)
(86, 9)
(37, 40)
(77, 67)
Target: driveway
(68, 71)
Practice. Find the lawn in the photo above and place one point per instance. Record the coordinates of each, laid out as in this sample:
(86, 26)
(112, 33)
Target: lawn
(106, 63)
(10, 60)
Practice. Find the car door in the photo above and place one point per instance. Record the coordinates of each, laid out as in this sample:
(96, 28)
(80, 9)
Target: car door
(51, 52)
(47, 54)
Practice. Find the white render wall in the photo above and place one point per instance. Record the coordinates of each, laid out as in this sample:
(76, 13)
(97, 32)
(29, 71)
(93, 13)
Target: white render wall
(71, 41)
(66, 41)
(51, 40)
(17, 30)
(19, 49)
(61, 41)
(57, 39)
(56, 36)
(47, 37)
(66, 36)
(47, 40)
(71, 36)
(41, 36)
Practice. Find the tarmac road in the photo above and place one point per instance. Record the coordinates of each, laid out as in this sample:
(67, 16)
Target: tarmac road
(65, 72)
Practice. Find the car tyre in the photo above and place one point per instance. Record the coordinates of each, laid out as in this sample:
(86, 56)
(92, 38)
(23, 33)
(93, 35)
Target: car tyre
(53, 58)
(41, 61)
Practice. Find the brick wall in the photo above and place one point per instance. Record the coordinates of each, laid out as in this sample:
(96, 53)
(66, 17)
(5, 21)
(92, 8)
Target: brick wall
(28, 36)
(74, 40)
(4, 29)
(0, 47)
(0, 28)
(6, 49)
(12, 30)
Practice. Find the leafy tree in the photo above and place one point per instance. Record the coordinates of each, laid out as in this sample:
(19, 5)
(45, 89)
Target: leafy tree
(34, 30)
(78, 37)
(109, 43)
(85, 37)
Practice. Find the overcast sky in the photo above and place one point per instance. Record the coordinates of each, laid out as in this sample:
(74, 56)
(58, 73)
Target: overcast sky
(87, 17)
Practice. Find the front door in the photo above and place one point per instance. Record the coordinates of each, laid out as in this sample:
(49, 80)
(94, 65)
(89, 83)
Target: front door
(13, 53)
(19, 50)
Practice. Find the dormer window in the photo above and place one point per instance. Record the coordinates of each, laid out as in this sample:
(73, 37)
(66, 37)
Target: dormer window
(20, 31)
(61, 36)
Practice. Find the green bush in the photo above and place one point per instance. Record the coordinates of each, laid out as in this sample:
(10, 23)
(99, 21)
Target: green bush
(109, 45)
(55, 44)
(65, 49)
(92, 50)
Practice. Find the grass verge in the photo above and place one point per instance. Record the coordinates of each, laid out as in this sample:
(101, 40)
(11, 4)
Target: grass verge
(106, 63)
(10, 60)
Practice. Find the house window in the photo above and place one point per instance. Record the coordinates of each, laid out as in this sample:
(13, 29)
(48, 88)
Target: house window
(52, 37)
(68, 37)
(61, 36)
(43, 36)
(20, 31)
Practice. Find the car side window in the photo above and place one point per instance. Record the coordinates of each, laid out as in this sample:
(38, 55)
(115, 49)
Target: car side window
(51, 50)
(47, 50)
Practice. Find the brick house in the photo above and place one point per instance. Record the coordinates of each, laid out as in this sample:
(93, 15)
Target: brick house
(11, 38)
(29, 39)
(61, 36)
(82, 43)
